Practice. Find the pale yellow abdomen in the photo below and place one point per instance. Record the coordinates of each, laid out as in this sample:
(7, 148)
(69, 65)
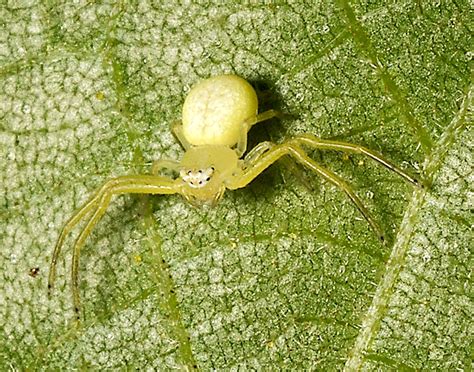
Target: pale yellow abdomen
(216, 108)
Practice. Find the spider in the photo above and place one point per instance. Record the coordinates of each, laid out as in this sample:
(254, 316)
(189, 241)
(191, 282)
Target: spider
(216, 117)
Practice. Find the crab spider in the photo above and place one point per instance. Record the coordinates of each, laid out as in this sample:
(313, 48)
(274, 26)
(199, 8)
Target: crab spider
(217, 114)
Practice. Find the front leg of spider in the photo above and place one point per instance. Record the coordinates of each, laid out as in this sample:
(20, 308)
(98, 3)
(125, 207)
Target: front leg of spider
(93, 210)
(266, 154)
(217, 115)
(273, 154)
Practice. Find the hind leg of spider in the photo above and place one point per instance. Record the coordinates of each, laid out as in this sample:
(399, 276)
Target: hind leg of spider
(314, 142)
(276, 152)
(177, 130)
(246, 125)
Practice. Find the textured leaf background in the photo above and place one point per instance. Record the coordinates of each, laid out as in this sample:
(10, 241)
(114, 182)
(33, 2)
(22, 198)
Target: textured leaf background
(281, 274)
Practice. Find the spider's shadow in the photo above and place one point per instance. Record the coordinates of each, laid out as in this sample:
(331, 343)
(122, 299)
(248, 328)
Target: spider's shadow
(276, 130)
(273, 130)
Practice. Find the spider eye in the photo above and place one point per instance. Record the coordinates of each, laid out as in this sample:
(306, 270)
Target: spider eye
(208, 178)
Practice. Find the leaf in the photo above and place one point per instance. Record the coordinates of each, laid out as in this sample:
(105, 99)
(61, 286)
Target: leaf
(277, 276)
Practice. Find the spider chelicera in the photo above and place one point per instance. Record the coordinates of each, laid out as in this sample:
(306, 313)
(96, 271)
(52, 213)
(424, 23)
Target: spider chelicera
(217, 115)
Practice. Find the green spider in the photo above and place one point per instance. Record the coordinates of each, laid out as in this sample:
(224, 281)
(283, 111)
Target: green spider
(217, 115)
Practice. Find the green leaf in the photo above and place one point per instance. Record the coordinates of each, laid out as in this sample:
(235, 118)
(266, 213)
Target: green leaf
(284, 274)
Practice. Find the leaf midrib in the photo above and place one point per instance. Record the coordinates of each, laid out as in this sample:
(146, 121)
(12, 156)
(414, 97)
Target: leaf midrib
(385, 289)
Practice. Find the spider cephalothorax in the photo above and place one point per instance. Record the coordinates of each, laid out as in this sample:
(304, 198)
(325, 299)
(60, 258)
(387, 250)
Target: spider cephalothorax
(205, 172)
(217, 115)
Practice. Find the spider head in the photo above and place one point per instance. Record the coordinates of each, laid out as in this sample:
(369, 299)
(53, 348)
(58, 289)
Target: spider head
(205, 171)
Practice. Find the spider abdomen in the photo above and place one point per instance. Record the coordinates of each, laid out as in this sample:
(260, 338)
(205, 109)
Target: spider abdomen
(216, 108)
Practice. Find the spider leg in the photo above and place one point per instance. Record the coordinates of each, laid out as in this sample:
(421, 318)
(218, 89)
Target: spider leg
(315, 142)
(96, 216)
(141, 184)
(249, 123)
(261, 149)
(257, 152)
(177, 130)
(339, 182)
(275, 153)
(164, 164)
(70, 224)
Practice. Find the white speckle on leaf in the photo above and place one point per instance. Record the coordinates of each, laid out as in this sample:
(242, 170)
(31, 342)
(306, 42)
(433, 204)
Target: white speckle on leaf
(215, 275)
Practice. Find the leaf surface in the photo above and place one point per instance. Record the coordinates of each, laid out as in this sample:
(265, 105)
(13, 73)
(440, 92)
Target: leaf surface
(283, 274)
